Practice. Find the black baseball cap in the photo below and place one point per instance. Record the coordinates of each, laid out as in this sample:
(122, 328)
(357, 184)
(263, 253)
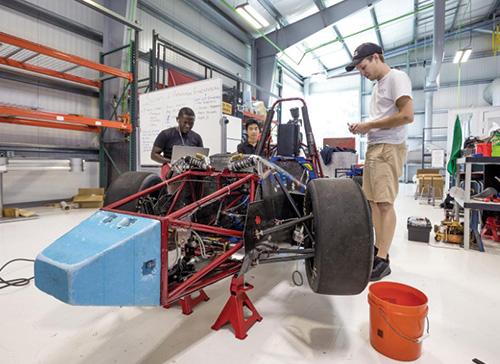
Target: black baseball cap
(363, 51)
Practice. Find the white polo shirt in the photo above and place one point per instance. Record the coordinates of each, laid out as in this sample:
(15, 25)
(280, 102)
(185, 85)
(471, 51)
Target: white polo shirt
(385, 93)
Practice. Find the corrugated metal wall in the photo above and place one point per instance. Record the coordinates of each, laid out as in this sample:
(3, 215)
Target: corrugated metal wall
(23, 95)
(26, 95)
(196, 22)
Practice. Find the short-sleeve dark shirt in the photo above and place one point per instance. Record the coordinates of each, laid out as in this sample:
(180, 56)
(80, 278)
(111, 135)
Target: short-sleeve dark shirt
(171, 136)
(246, 148)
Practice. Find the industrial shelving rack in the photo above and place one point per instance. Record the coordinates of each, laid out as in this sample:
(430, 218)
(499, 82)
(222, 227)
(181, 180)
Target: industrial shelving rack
(26, 55)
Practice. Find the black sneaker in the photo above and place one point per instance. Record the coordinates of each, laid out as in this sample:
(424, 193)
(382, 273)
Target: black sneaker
(381, 269)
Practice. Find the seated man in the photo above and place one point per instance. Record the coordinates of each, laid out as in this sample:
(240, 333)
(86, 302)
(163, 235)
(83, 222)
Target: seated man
(253, 130)
(176, 135)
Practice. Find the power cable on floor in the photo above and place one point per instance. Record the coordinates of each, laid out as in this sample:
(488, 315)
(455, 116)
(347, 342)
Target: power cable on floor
(16, 282)
(297, 278)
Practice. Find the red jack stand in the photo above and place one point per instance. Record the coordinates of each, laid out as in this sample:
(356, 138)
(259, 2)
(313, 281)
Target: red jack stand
(188, 303)
(233, 310)
(490, 229)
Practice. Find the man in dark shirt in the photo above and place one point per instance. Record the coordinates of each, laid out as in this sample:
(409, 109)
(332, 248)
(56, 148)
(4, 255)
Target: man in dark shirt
(253, 131)
(176, 135)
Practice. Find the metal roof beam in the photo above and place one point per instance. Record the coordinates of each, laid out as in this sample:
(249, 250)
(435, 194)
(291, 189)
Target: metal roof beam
(208, 11)
(320, 4)
(270, 8)
(377, 29)
(109, 13)
(439, 31)
(341, 40)
(296, 32)
(455, 17)
(151, 9)
(266, 4)
(494, 7)
(35, 11)
(448, 12)
(415, 21)
(427, 41)
(296, 76)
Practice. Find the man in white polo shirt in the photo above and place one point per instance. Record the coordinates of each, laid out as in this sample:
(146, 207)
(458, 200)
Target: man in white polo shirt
(391, 108)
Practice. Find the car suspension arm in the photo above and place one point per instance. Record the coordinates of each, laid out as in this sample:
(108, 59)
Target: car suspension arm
(294, 206)
(287, 258)
(260, 233)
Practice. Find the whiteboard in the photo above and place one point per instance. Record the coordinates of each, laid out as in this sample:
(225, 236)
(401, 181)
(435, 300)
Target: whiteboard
(233, 133)
(158, 111)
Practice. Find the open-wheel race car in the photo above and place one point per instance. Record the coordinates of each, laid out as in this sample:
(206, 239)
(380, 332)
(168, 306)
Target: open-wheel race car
(157, 242)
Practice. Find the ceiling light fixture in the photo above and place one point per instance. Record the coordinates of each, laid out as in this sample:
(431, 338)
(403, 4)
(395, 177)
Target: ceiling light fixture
(462, 55)
(467, 53)
(252, 16)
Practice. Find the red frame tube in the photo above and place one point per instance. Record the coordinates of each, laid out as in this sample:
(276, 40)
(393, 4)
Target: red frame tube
(228, 272)
(206, 228)
(180, 290)
(176, 198)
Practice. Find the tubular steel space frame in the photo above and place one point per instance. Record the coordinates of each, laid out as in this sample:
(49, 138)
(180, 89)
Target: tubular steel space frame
(233, 239)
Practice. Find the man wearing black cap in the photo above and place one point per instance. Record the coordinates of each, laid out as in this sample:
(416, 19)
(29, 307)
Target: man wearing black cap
(391, 108)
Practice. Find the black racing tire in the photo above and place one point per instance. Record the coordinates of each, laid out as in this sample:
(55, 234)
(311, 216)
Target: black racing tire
(343, 237)
(127, 184)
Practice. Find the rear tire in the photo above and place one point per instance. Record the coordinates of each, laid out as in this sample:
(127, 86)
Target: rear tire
(343, 234)
(128, 184)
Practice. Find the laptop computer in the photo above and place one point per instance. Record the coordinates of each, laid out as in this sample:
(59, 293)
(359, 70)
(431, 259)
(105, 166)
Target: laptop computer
(179, 151)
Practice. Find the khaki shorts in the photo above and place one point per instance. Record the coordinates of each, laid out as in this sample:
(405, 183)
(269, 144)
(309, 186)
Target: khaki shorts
(383, 167)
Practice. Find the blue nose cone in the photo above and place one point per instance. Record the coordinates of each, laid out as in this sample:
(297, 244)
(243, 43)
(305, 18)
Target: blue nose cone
(110, 259)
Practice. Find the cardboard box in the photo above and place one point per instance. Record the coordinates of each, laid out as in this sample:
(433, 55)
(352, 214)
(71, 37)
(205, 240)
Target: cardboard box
(430, 183)
(89, 197)
(16, 212)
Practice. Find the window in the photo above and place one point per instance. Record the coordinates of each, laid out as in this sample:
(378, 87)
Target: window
(331, 111)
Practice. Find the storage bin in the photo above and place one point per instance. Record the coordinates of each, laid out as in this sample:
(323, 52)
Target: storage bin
(419, 229)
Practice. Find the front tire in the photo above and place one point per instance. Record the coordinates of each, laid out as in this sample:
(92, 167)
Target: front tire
(343, 237)
(128, 184)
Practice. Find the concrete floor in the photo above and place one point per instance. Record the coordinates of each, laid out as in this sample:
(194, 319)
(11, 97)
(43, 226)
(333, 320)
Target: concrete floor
(298, 327)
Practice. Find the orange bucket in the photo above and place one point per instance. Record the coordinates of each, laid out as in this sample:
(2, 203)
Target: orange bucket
(397, 320)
